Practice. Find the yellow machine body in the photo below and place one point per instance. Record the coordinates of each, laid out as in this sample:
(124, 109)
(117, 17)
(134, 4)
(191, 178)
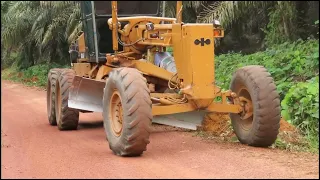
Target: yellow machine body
(193, 49)
(131, 78)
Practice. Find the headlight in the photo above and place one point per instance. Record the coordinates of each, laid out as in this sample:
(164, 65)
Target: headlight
(149, 26)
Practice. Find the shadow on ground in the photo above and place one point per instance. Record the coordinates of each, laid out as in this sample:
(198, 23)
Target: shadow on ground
(91, 125)
(155, 128)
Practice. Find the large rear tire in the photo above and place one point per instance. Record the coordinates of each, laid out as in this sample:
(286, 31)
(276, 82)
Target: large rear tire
(53, 76)
(67, 118)
(127, 112)
(262, 127)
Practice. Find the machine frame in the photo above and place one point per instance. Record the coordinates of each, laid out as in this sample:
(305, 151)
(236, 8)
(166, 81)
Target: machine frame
(140, 83)
(200, 91)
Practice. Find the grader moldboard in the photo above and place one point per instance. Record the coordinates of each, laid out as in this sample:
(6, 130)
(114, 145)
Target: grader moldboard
(120, 67)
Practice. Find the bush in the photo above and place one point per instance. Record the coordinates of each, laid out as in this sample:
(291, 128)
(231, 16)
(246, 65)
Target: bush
(291, 65)
(301, 108)
(8, 59)
(37, 74)
(34, 75)
(287, 63)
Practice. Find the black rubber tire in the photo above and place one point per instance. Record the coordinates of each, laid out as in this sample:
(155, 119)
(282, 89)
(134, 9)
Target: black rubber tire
(68, 118)
(137, 112)
(53, 76)
(266, 106)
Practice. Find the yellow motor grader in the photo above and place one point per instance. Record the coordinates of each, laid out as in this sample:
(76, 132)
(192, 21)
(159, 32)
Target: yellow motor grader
(121, 67)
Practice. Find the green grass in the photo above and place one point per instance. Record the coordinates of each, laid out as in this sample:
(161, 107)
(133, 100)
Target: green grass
(287, 63)
(301, 108)
(295, 69)
(32, 76)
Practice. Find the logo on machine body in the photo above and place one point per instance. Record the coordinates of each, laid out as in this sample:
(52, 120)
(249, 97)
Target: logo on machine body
(202, 41)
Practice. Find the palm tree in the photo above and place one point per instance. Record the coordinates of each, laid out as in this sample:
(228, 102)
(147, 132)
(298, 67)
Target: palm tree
(280, 21)
(190, 9)
(41, 30)
(273, 21)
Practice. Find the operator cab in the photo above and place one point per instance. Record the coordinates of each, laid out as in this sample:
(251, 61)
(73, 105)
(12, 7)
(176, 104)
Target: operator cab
(103, 12)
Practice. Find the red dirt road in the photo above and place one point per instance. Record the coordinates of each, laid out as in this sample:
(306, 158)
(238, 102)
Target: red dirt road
(31, 148)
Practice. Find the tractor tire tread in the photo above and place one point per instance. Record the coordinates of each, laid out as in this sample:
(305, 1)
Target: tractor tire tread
(265, 99)
(69, 118)
(137, 112)
(53, 76)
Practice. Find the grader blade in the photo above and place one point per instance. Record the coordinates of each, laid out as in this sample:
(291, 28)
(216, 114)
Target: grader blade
(86, 94)
(187, 120)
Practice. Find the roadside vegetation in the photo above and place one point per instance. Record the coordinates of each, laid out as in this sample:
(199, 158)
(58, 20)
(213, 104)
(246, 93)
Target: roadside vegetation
(295, 69)
(283, 36)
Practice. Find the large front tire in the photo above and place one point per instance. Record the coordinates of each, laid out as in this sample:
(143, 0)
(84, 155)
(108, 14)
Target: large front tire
(127, 112)
(67, 118)
(262, 127)
(53, 76)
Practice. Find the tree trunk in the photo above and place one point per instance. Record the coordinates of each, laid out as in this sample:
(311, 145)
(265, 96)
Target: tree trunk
(285, 27)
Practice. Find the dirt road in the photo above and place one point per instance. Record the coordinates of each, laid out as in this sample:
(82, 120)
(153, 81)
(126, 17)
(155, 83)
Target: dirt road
(31, 148)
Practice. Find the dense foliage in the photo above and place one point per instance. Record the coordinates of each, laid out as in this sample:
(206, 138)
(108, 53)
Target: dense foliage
(295, 69)
(40, 31)
(253, 25)
(37, 31)
(33, 76)
(288, 63)
(301, 108)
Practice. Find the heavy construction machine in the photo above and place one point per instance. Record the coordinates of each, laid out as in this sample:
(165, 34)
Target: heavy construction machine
(121, 67)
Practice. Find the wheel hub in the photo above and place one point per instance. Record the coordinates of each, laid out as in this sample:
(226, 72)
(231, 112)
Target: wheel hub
(247, 108)
(246, 116)
(116, 114)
